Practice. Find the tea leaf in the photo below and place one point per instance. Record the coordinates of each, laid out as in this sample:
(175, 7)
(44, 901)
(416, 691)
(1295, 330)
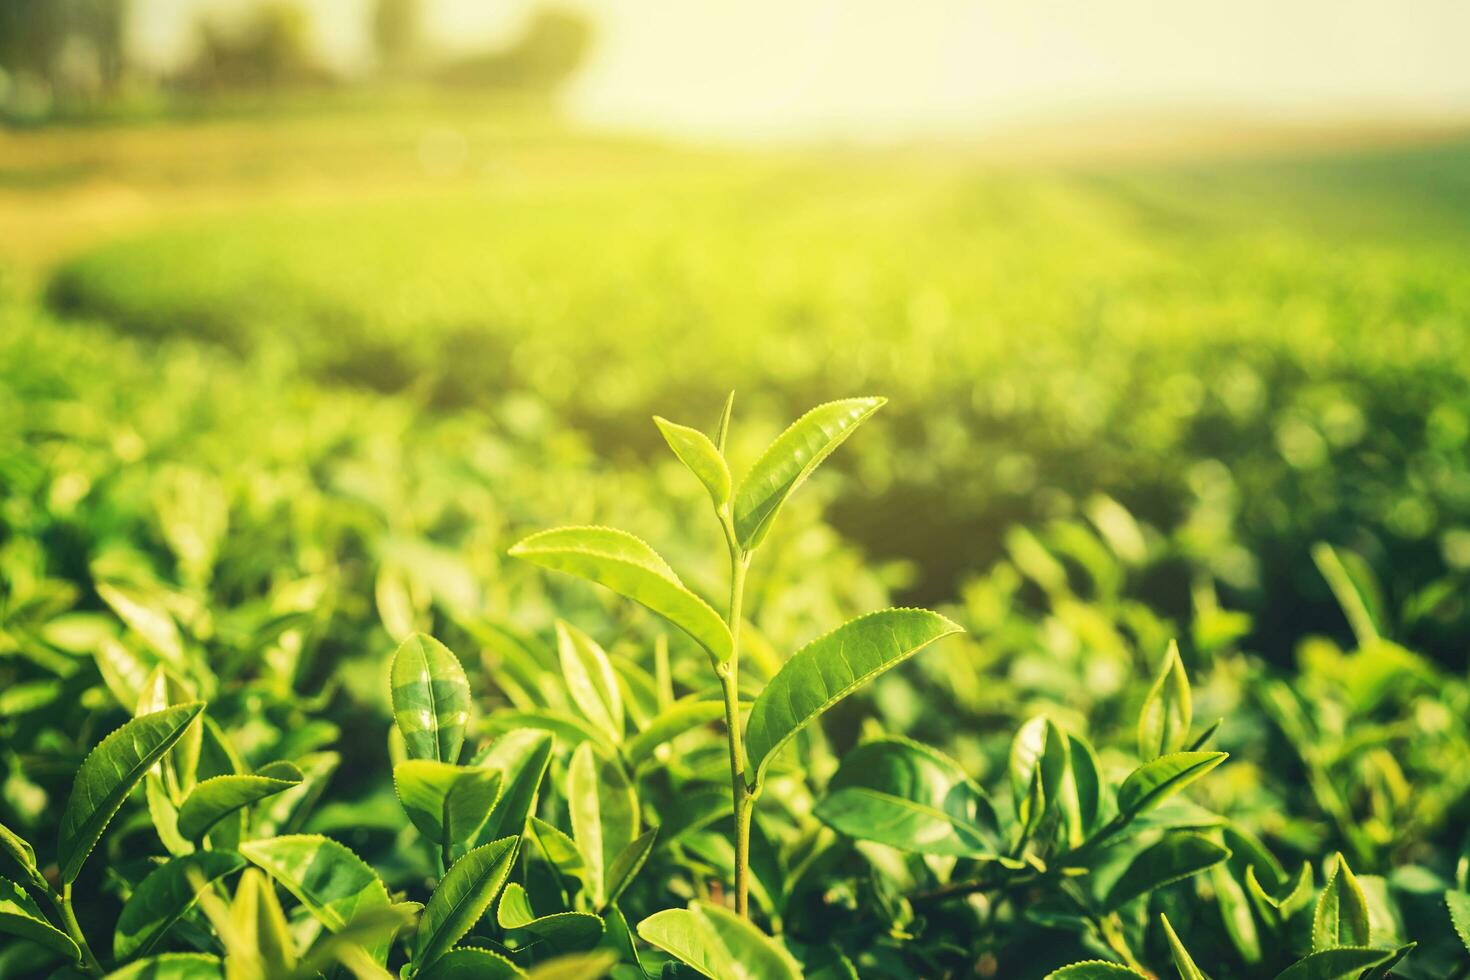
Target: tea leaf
(1458, 904)
(448, 804)
(18, 859)
(216, 798)
(1183, 962)
(1163, 723)
(472, 963)
(165, 896)
(1087, 778)
(604, 814)
(718, 943)
(1287, 900)
(790, 459)
(1343, 963)
(672, 722)
(147, 616)
(696, 451)
(564, 930)
(172, 966)
(109, 774)
(1341, 917)
(621, 562)
(327, 877)
(911, 797)
(628, 862)
(20, 916)
(1172, 859)
(831, 667)
(1153, 782)
(575, 966)
(521, 759)
(260, 923)
(1093, 970)
(461, 898)
(431, 699)
(590, 679)
(1039, 765)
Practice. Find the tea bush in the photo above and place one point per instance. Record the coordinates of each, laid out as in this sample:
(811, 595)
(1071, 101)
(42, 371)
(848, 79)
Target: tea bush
(294, 680)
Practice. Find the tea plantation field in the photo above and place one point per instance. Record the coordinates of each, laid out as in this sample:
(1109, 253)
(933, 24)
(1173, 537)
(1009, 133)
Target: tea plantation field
(277, 407)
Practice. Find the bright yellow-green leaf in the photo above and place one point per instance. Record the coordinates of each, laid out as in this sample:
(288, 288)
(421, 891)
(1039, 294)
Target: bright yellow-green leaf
(1163, 723)
(109, 774)
(214, 799)
(327, 877)
(590, 679)
(628, 566)
(719, 944)
(604, 814)
(675, 720)
(829, 669)
(696, 451)
(431, 699)
(790, 459)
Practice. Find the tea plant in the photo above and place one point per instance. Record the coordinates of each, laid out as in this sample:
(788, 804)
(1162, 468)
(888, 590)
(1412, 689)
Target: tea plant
(585, 800)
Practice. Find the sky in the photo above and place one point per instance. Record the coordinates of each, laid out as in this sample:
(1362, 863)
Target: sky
(879, 69)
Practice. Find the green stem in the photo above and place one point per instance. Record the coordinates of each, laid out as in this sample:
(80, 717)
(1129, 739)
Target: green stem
(74, 929)
(729, 673)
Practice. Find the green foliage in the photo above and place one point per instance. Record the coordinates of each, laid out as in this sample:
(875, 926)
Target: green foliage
(109, 774)
(829, 669)
(584, 767)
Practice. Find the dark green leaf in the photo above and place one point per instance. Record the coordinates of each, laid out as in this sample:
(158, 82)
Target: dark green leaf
(162, 898)
(472, 963)
(909, 796)
(1172, 859)
(1345, 963)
